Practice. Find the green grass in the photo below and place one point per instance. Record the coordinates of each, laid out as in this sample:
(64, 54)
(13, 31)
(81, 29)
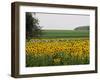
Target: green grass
(64, 34)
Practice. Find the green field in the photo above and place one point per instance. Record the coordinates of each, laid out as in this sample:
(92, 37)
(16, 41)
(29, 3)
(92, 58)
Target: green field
(65, 33)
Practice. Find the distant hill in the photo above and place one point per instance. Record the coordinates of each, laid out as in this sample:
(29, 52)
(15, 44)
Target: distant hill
(82, 28)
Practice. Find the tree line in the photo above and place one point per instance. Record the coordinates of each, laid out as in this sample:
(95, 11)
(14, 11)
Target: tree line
(32, 26)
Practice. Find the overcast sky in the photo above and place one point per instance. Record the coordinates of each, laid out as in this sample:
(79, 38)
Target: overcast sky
(62, 22)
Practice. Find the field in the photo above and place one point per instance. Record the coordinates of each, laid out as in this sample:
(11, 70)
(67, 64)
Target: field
(65, 33)
(58, 47)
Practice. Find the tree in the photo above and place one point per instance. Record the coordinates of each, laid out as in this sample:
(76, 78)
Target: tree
(82, 28)
(32, 26)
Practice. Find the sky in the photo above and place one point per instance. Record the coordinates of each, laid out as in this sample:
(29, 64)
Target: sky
(62, 21)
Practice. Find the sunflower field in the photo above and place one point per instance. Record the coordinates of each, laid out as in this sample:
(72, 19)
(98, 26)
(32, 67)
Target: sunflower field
(53, 52)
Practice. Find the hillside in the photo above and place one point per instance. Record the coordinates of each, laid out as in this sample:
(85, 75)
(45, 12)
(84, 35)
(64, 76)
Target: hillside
(82, 28)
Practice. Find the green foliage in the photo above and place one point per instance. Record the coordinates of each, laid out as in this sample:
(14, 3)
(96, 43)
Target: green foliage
(82, 28)
(32, 26)
(38, 60)
(57, 59)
